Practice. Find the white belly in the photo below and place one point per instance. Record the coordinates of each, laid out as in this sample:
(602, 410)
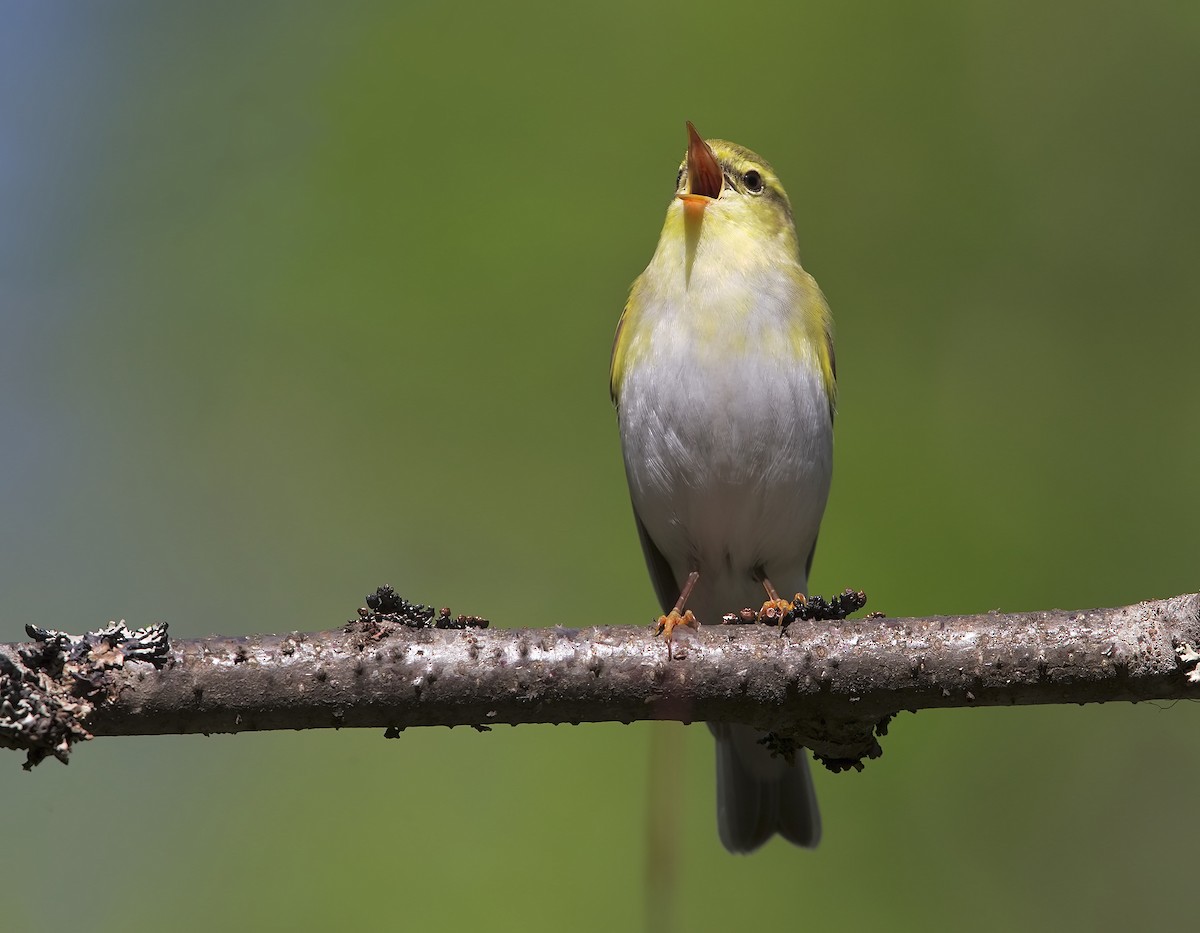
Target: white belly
(729, 457)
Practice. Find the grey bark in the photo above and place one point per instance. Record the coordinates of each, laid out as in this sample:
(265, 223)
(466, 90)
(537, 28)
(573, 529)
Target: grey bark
(830, 686)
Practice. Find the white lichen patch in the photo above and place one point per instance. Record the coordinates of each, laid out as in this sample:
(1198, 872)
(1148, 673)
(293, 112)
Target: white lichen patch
(1190, 657)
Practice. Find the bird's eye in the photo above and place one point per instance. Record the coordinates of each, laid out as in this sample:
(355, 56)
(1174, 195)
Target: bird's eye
(754, 182)
(679, 177)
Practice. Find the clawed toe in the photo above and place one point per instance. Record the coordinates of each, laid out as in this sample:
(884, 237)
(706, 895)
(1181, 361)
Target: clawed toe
(666, 624)
(776, 612)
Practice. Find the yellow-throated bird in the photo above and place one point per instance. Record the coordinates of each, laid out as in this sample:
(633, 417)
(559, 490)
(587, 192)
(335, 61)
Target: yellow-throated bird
(723, 379)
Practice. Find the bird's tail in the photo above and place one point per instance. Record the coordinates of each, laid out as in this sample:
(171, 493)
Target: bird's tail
(759, 795)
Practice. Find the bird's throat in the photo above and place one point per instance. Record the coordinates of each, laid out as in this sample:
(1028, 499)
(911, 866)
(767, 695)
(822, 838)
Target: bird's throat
(693, 219)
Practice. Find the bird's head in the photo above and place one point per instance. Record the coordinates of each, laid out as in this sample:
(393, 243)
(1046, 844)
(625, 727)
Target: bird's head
(726, 185)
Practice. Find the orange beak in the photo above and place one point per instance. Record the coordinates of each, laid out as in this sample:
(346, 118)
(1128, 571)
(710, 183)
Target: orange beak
(705, 178)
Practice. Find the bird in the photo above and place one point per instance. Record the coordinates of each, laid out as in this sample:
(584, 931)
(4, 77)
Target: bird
(723, 377)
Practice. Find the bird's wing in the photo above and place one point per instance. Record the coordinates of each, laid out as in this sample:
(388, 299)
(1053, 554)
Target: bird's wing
(831, 391)
(666, 587)
(832, 374)
(808, 563)
(617, 358)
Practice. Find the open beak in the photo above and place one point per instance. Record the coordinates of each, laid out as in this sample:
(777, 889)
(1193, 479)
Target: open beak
(704, 174)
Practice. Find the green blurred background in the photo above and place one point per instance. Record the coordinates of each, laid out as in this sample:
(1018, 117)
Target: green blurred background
(296, 299)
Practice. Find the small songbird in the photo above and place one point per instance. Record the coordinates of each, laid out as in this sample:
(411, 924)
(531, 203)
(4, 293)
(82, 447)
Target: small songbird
(723, 378)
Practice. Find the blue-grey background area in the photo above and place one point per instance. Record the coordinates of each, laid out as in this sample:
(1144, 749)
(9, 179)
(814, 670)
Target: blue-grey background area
(297, 299)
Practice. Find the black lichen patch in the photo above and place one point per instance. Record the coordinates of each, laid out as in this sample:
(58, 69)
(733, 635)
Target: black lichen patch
(780, 746)
(387, 610)
(385, 601)
(785, 747)
(837, 765)
(446, 620)
(804, 609)
(54, 683)
(836, 608)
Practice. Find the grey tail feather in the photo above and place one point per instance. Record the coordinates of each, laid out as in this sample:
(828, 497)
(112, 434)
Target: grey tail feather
(758, 796)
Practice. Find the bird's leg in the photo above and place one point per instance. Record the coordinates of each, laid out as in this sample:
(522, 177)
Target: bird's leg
(775, 610)
(678, 615)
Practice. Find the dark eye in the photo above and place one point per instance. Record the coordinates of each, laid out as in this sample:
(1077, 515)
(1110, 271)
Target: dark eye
(754, 182)
(679, 177)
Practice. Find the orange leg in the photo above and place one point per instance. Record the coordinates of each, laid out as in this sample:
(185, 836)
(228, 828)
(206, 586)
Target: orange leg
(774, 611)
(678, 615)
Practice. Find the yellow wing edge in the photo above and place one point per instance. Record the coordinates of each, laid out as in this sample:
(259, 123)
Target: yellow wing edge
(616, 364)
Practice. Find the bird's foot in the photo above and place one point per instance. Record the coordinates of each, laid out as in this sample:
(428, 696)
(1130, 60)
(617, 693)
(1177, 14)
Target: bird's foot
(668, 623)
(776, 612)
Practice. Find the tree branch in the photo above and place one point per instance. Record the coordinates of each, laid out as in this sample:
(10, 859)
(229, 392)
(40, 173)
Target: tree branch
(830, 686)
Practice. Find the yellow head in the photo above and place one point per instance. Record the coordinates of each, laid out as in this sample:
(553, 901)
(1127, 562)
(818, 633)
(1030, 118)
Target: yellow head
(741, 182)
(728, 250)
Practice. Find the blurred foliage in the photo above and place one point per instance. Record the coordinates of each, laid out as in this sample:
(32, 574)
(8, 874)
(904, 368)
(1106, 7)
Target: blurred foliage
(296, 300)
